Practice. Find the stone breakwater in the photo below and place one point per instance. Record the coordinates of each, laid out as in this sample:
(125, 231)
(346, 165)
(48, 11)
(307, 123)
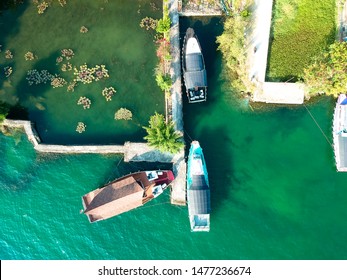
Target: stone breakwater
(131, 152)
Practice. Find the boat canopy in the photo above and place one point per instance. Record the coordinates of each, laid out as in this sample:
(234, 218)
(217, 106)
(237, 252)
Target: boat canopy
(194, 62)
(115, 198)
(195, 79)
(199, 196)
(195, 74)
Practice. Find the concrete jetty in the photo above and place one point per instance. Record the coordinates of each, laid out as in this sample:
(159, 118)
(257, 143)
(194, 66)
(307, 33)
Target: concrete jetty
(131, 151)
(178, 194)
(204, 8)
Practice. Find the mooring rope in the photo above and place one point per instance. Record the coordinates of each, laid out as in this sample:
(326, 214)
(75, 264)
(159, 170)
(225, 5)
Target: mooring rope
(318, 126)
(188, 135)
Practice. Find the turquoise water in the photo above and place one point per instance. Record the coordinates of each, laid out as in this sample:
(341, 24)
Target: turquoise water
(275, 193)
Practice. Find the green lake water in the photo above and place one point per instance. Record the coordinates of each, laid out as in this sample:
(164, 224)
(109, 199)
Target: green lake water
(114, 39)
(275, 192)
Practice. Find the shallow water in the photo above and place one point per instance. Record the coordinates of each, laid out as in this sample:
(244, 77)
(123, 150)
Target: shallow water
(114, 39)
(274, 189)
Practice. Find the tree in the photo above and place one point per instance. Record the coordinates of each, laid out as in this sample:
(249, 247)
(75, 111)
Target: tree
(328, 73)
(232, 45)
(162, 135)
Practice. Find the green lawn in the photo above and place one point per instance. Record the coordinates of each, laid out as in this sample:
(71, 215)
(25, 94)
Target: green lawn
(300, 30)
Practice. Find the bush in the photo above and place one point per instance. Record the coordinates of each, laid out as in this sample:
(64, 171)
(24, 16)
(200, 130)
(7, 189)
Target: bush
(163, 81)
(328, 73)
(231, 44)
(163, 25)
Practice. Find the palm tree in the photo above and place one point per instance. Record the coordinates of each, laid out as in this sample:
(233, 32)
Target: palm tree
(162, 135)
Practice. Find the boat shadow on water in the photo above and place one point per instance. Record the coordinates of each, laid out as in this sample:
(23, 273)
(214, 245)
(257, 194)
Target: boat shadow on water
(217, 148)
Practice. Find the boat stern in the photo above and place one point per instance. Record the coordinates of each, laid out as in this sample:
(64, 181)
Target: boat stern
(200, 222)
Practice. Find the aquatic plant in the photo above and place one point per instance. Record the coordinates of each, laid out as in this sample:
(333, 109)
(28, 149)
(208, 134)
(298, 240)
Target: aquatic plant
(8, 54)
(162, 135)
(100, 72)
(58, 82)
(59, 59)
(62, 2)
(36, 77)
(84, 101)
(81, 127)
(108, 92)
(83, 29)
(87, 75)
(148, 23)
(8, 71)
(66, 67)
(41, 8)
(84, 74)
(29, 56)
(67, 53)
(123, 114)
(71, 86)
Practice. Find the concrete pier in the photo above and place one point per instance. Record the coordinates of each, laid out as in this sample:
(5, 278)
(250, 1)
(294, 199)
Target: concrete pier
(178, 194)
(131, 151)
(205, 8)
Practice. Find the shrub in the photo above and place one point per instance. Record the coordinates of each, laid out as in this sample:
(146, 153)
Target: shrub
(163, 81)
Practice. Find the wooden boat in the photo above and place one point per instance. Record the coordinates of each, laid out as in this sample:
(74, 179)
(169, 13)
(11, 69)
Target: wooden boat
(125, 193)
(194, 72)
(340, 133)
(198, 190)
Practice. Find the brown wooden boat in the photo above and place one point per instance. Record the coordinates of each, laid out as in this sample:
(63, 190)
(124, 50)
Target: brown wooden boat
(125, 193)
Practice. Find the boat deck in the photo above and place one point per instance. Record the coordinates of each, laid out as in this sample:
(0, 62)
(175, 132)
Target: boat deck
(198, 191)
(339, 134)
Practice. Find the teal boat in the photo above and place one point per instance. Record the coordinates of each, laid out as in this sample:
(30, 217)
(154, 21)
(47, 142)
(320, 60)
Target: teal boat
(198, 190)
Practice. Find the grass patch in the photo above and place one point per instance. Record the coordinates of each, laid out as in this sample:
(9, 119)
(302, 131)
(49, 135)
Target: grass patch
(301, 29)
